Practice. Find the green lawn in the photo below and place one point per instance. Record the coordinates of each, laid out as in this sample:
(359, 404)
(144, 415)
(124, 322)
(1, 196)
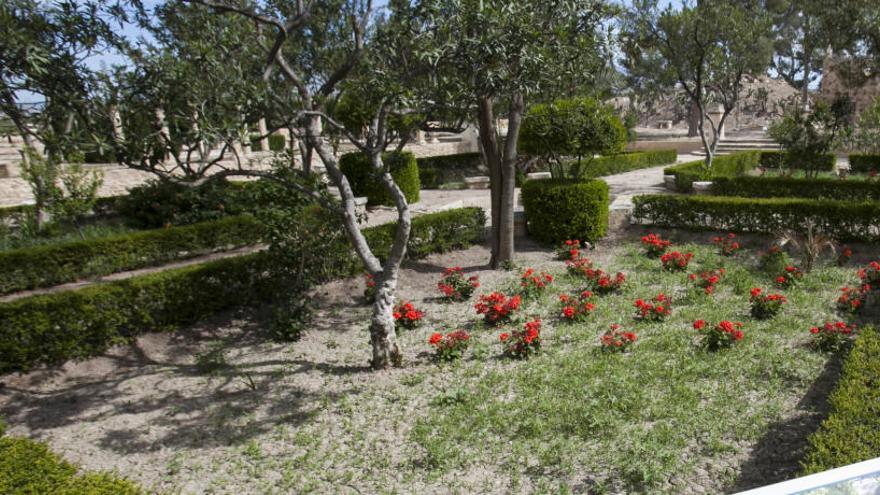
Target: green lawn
(649, 420)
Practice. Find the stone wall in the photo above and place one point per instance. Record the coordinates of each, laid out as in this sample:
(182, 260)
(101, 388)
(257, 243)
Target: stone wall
(839, 78)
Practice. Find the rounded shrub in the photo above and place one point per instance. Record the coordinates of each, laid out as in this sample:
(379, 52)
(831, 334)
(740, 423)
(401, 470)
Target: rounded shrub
(563, 209)
(403, 167)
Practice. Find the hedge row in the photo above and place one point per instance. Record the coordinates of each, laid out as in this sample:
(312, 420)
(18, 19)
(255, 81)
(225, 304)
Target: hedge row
(722, 166)
(434, 171)
(842, 220)
(49, 265)
(782, 159)
(403, 167)
(103, 206)
(625, 162)
(78, 324)
(863, 163)
(851, 433)
(786, 187)
(558, 209)
(29, 467)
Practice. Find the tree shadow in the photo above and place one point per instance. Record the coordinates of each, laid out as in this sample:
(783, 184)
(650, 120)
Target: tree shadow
(777, 455)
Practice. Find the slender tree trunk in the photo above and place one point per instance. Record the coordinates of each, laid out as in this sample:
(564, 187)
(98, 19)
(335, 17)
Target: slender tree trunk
(506, 248)
(489, 142)
(805, 90)
(693, 120)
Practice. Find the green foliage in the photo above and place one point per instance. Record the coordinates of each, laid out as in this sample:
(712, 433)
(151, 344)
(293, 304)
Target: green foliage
(785, 160)
(79, 324)
(434, 171)
(29, 467)
(277, 142)
(580, 128)
(45, 266)
(851, 433)
(806, 136)
(722, 166)
(625, 162)
(787, 187)
(80, 194)
(403, 168)
(863, 163)
(841, 220)
(557, 210)
(868, 133)
(161, 203)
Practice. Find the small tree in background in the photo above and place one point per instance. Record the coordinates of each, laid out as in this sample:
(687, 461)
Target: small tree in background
(867, 136)
(806, 136)
(704, 49)
(578, 128)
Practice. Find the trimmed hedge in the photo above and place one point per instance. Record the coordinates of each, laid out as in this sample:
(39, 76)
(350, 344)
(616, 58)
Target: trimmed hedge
(786, 187)
(851, 433)
(46, 266)
(842, 220)
(29, 467)
(625, 162)
(403, 167)
(103, 206)
(52, 328)
(860, 163)
(783, 159)
(434, 171)
(722, 166)
(277, 142)
(558, 209)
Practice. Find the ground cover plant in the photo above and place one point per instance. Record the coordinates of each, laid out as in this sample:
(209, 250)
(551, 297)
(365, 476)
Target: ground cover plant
(665, 416)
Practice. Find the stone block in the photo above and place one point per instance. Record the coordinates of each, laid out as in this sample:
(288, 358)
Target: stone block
(477, 182)
(539, 176)
(669, 182)
(703, 187)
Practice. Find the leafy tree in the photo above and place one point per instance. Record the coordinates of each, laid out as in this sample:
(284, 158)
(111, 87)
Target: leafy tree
(705, 49)
(868, 133)
(491, 56)
(806, 135)
(579, 128)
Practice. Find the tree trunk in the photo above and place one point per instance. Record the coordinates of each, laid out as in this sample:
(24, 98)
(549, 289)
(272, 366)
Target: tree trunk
(506, 248)
(693, 120)
(805, 90)
(489, 143)
(386, 352)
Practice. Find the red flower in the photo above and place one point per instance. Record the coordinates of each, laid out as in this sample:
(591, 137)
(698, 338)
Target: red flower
(435, 338)
(699, 324)
(503, 337)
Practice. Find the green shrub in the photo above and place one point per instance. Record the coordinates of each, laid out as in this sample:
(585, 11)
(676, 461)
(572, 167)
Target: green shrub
(625, 162)
(783, 159)
(851, 433)
(161, 203)
(842, 220)
(863, 163)
(49, 265)
(277, 142)
(722, 166)
(53, 328)
(785, 187)
(28, 467)
(434, 171)
(403, 167)
(557, 210)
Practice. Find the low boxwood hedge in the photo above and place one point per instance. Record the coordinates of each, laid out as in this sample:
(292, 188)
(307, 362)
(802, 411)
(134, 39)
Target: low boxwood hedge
(842, 220)
(52, 328)
(851, 433)
(49, 265)
(860, 163)
(787, 187)
(558, 209)
(434, 171)
(28, 467)
(722, 166)
(626, 162)
(403, 167)
(783, 159)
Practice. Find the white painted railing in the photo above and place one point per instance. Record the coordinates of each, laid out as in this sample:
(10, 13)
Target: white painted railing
(856, 479)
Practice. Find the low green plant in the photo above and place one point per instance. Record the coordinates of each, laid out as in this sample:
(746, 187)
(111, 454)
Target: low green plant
(790, 187)
(733, 165)
(402, 166)
(851, 433)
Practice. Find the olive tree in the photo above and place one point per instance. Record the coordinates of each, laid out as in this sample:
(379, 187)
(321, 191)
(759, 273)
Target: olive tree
(575, 128)
(491, 57)
(704, 49)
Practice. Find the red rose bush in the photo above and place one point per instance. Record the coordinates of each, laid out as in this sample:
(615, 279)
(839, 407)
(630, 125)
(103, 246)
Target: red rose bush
(523, 343)
(706, 281)
(721, 336)
(831, 337)
(616, 340)
(497, 308)
(577, 308)
(657, 309)
(727, 244)
(655, 245)
(765, 306)
(455, 286)
(675, 261)
(407, 316)
(451, 346)
(533, 283)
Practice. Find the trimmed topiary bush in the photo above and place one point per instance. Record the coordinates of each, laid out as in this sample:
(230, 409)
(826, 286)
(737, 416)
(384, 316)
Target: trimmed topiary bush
(722, 166)
(557, 210)
(842, 220)
(863, 163)
(277, 142)
(403, 167)
(784, 159)
(29, 467)
(851, 433)
(625, 162)
(434, 171)
(162, 203)
(787, 187)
